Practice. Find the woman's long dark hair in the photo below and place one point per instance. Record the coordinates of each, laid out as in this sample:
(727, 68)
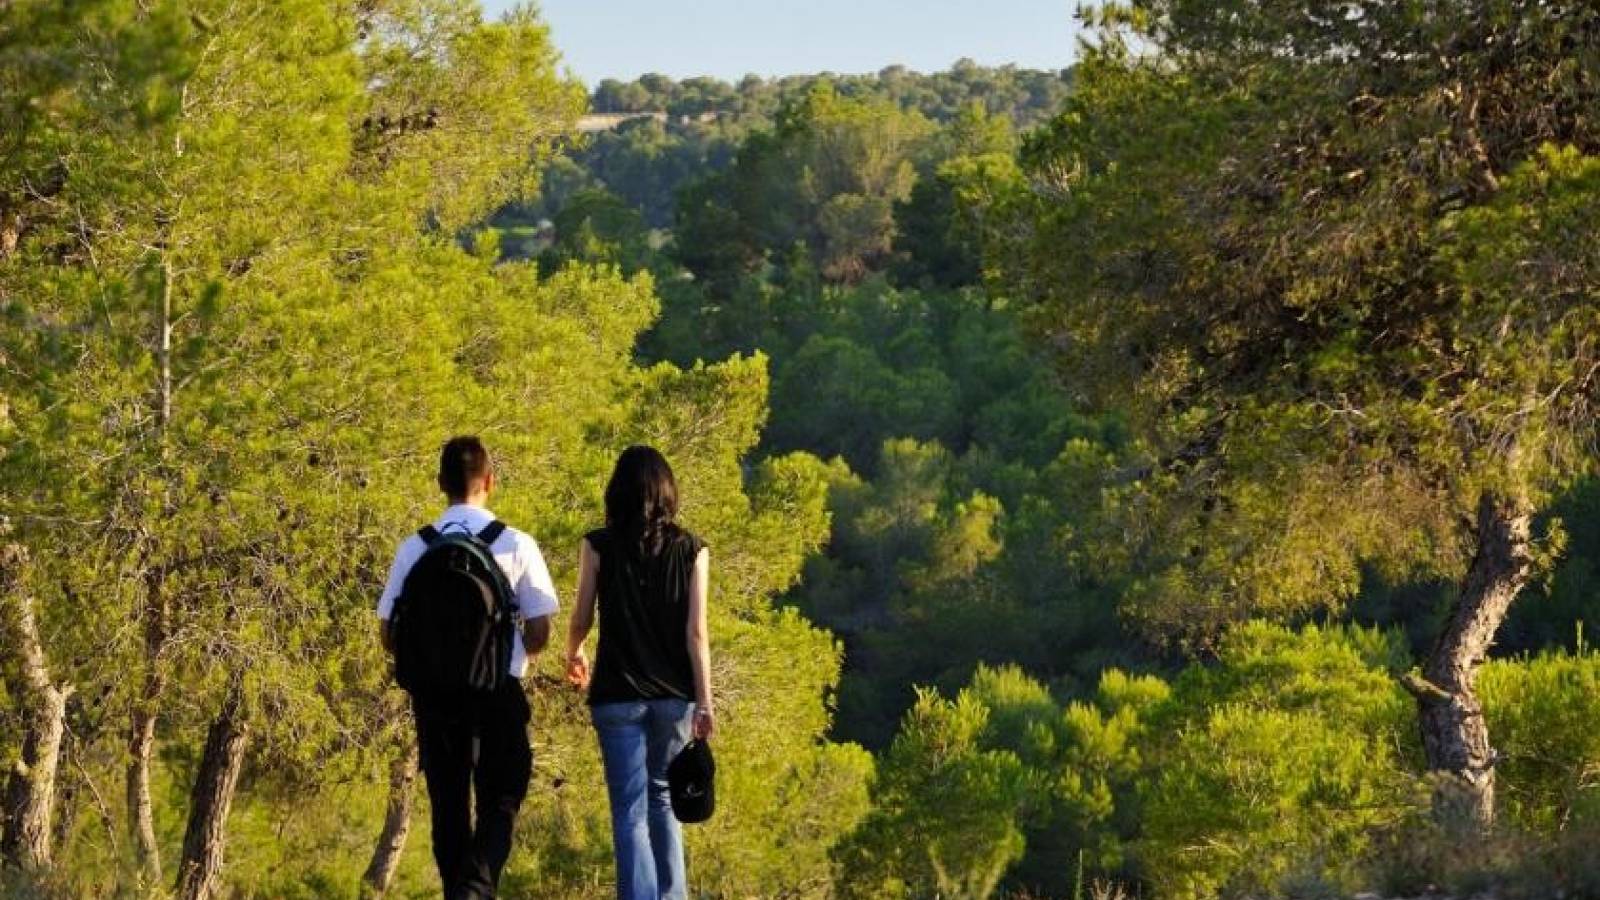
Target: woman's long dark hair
(642, 498)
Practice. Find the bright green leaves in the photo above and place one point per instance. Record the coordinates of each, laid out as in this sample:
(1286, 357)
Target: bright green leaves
(1544, 714)
(1255, 796)
(1524, 267)
(1290, 756)
(1294, 762)
(1279, 761)
(462, 113)
(1002, 782)
(944, 819)
(784, 796)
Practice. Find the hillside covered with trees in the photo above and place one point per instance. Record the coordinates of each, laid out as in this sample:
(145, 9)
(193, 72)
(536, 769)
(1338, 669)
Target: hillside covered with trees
(670, 133)
(1172, 476)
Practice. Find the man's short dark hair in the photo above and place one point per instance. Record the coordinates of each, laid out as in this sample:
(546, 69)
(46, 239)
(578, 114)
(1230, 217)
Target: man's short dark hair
(463, 462)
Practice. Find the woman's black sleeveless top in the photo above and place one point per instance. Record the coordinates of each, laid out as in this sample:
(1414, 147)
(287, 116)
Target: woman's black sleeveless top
(644, 618)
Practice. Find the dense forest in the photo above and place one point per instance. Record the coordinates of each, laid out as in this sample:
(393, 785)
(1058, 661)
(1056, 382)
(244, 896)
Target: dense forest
(1170, 476)
(671, 133)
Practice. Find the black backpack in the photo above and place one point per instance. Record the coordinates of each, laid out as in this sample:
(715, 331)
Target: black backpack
(454, 622)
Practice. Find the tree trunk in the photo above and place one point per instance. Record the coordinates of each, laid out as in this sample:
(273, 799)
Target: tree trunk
(142, 738)
(211, 798)
(70, 785)
(164, 349)
(1454, 735)
(10, 225)
(396, 825)
(31, 794)
(142, 724)
(141, 817)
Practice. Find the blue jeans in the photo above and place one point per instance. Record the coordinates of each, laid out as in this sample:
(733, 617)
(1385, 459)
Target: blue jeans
(637, 742)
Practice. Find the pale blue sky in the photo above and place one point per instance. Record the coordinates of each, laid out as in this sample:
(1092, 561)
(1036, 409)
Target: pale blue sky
(728, 38)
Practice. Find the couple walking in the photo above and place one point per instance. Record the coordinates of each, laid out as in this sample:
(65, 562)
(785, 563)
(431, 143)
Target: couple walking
(469, 600)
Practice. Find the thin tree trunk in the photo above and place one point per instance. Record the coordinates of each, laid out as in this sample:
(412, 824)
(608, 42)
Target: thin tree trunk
(165, 219)
(10, 224)
(396, 825)
(142, 738)
(141, 819)
(1454, 735)
(71, 784)
(142, 722)
(31, 793)
(200, 869)
(164, 350)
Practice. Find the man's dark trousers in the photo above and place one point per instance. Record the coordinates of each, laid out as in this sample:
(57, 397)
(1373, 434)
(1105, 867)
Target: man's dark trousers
(474, 745)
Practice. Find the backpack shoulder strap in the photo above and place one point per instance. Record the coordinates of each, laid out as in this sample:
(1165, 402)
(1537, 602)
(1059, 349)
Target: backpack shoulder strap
(429, 534)
(491, 532)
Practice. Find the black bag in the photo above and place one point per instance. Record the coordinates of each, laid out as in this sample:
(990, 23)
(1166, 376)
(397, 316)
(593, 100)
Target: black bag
(692, 782)
(454, 622)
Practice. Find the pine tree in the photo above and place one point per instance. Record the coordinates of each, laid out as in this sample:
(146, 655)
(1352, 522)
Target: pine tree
(1282, 235)
(235, 325)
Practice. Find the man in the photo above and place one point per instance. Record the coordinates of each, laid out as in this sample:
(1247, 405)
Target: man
(478, 742)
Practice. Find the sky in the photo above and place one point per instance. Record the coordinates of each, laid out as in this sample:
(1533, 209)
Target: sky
(729, 38)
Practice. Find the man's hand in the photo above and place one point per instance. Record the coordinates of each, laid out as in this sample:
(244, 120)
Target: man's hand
(535, 634)
(578, 669)
(705, 721)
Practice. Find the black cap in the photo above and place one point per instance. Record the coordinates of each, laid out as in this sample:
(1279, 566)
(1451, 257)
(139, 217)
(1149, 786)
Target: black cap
(691, 778)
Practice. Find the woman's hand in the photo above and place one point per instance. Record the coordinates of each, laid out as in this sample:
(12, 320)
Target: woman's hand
(705, 721)
(578, 669)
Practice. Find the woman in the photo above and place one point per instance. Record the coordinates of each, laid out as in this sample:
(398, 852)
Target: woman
(651, 685)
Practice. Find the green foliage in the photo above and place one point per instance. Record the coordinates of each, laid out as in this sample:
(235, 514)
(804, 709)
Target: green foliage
(1543, 712)
(827, 176)
(871, 400)
(1259, 795)
(1287, 758)
(1342, 673)
(695, 127)
(594, 226)
(944, 231)
(1541, 709)
(1278, 764)
(1057, 784)
(1324, 286)
(290, 216)
(931, 571)
(1292, 309)
(452, 100)
(950, 552)
(944, 818)
(1089, 756)
(1322, 291)
(1022, 94)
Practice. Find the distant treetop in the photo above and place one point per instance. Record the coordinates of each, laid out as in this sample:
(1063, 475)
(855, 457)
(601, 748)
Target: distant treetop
(1026, 95)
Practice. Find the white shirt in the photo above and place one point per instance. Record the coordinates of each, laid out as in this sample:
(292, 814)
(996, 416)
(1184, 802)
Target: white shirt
(517, 554)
